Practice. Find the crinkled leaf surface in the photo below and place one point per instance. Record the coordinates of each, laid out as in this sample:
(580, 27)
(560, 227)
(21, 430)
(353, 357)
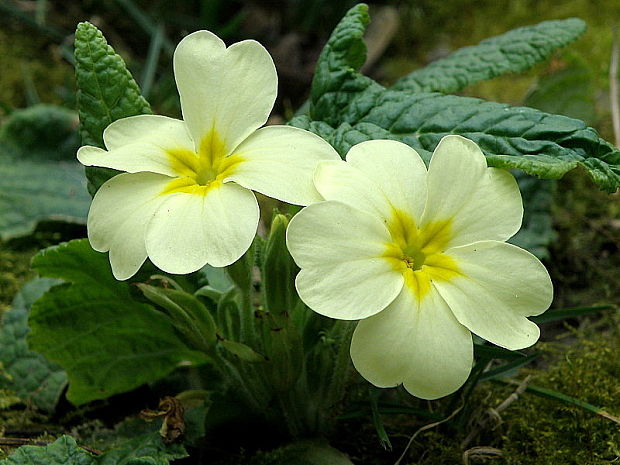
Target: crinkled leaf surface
(63, 451)
(106, 92)
(512, 52)
(143, 449)
(39, 176)
(32, 376)
(347, 108)
(91, 326)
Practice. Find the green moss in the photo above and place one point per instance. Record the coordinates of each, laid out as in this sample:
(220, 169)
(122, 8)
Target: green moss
(14, 271)
(27, 63)
(540, 431)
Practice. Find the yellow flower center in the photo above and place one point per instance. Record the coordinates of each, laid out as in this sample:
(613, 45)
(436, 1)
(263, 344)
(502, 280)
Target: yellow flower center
(200, 172)
(418, 253)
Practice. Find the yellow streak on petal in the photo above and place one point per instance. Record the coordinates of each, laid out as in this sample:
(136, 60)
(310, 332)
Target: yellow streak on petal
(201, 172)
(418, 252)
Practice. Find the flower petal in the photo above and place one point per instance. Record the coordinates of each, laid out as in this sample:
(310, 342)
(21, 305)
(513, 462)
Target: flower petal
(455, 170)
(342, 182)
(493, 212)
(190, 230)
(346, 234)
(492, 302)
(279, 161)
(397, 169)
(228, 90)
(420, 345)
(343, 274)
(140, 143)
(118, 216)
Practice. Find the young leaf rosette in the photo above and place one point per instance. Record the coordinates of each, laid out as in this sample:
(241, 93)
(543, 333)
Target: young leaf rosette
(419, 256)
(186, 197)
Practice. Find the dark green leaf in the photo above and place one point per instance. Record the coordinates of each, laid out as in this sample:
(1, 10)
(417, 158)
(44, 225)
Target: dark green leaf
(106, 92)
(491, 352)
(32, 377)
(63, 451)
(568, 92)
(245, 353)
(537, 231)
(107, 342)
(347, 108)
(541, 144)
(39, 176)
(512, 52)
(189, 315)
(336, 81)
(565, 313)
(145, 449)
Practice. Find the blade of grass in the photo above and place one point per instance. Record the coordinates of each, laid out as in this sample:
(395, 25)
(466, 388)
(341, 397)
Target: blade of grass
(490, 352)
(500, 370)
(384, 439)
(32, 96)
(145, 22)
(152, 57)
(558, 396)
(564, 313)
(40, 12)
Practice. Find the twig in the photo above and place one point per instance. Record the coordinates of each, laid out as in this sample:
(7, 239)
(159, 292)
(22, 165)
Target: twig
(494, 412)
(424, 428)
(18, 442)
(480, 452)
(613, 86)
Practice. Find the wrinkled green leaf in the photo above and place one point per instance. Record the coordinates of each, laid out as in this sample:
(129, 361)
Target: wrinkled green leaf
(144, 449)
(106, 91)
(106, 341)
(512, 52)
(63, 451)
(32, 377)
(353, 109)
(40, 178)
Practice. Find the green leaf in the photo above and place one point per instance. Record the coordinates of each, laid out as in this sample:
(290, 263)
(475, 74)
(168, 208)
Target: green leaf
(347, 108)
(278, 270)
(189, 315)
(384, 439)
(32, 377)
(145, 449)
(568, 92)
(106, 91)
(541, 144)
(244, 352)
(565, 313)
(63, 451)
(336, 81)
(512, 52)
(91, 326)
(40, 178)
(490, 352)
(537, 231)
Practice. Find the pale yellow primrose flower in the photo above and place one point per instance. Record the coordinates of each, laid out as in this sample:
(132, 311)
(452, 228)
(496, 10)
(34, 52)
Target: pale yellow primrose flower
(185, 199)
(419, 256)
